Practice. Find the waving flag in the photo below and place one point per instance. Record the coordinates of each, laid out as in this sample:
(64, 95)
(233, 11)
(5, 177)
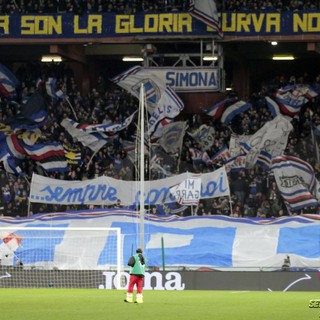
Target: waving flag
(291, 99)
(217, 109)
(304, 90)
(11, 240)
(72, 154)
(273, 106)
(269, 141)
(206, 11)
(196, 155)
(172, 138)
(280, 106)
(235, 163)
(107, 127)
(204, 136)
(222, 155)
(10, 163)
(33, 113)
(162, 102)
(95, 141)
(296, 182)
(8, 82)
(233, 110)
(132, 79)
(35, 109)
(11, 154)
(157, 130)
(168, 107)
(50, 156)
(227, 109)
(51, 89)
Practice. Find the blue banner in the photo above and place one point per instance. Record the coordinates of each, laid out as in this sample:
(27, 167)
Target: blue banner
(109, 25)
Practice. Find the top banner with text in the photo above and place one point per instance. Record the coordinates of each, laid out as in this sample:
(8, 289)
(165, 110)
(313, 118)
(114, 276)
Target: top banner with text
(107, 25)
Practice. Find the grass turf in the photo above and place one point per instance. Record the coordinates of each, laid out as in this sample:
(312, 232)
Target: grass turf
(94, 304)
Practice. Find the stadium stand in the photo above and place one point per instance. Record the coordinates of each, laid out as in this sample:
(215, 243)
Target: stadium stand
(254, 191)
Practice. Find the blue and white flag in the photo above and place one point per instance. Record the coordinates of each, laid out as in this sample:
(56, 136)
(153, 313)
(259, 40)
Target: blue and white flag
(292, 100)
(132, 79)
(50, 156)
(162, 102)
(95, 141)
(52, 89)
(168, 107)
(8, 82)
(233, 110)
(33, 113)
(235, 163)
(10, 163)
(217, 109)
(206, 11)
(227, 109)
(204, 136)
(107, 127)
(172, 137)
(14, 149)
(196, 155)
(304, 90)
(222, 155)
(287, 108)
(296, 182)
(271, 139)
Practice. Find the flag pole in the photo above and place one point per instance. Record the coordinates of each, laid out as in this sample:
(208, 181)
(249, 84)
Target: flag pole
(29, 203)
(230, 200)
(180, 149)
(69, 103)
(142, 200)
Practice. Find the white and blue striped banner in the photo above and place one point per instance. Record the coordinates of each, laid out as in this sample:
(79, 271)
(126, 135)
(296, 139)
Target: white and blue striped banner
(212, 241)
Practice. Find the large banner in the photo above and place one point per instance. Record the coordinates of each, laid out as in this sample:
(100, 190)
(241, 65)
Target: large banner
(107, 25)
(98, 25)
(210, 241)
(105, 190)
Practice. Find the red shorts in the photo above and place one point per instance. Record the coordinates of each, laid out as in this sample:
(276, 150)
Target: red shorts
(135, 280)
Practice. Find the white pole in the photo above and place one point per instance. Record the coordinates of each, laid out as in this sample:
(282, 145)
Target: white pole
(70, 105)
(230, 199)
(118, 281)
(141, 104)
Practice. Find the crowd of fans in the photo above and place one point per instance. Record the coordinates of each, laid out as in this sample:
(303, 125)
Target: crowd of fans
(91, 6)
(138, 6)
(254, 191)
(276, 5)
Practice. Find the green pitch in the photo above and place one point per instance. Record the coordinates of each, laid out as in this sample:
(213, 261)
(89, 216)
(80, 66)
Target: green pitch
(94, 304)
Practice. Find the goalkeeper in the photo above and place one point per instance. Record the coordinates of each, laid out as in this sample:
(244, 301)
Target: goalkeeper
(137, 265)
